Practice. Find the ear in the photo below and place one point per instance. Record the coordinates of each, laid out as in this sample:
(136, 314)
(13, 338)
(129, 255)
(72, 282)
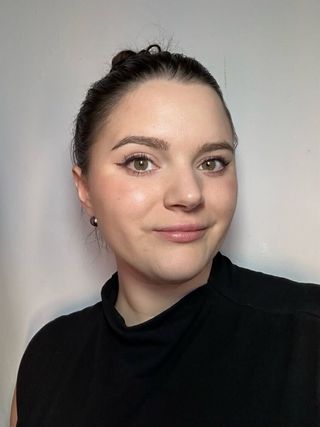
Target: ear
(82, 189)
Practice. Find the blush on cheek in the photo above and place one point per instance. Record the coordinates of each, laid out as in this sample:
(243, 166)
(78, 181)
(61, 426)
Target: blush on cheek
(130, 196)
(230, 186)
(138, 197)
(225, 195)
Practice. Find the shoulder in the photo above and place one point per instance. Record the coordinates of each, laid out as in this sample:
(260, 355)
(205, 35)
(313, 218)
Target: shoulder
(68, 328)
(54, 352)
(58, 340)
(267, 292)
(67, 331)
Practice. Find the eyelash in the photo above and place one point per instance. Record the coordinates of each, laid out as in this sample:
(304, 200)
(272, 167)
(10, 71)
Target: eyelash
(142, 156)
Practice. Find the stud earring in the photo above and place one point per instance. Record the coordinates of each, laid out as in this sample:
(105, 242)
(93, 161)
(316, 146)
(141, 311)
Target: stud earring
(94, 221)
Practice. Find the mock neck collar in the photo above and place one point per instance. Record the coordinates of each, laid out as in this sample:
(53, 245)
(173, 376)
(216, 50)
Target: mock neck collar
(181, 309)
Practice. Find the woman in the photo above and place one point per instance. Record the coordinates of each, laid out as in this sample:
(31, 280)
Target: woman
(182, 336)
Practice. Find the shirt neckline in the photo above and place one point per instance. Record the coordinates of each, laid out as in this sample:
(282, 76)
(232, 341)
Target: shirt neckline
(182, 309)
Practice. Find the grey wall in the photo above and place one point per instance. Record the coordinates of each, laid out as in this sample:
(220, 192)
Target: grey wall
(266, 56)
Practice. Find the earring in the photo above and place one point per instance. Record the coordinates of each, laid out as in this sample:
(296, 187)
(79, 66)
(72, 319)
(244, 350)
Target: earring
(94, 221)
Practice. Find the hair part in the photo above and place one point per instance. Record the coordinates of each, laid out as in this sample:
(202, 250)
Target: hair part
(128, 70)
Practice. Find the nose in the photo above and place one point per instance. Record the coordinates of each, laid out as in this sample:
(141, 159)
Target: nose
(183, 191)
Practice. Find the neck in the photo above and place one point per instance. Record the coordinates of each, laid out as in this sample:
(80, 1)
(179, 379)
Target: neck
(140, 299)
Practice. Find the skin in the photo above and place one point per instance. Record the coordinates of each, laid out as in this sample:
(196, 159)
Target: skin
(13, 414)
(176, 188)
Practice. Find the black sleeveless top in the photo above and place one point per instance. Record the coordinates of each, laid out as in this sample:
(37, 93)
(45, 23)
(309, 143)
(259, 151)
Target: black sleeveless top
(241, 350)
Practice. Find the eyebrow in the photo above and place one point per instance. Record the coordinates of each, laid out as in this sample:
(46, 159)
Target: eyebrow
(160, 144)
(214, 146)
(157, 143)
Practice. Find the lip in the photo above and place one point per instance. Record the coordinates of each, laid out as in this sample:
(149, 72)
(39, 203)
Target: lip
(182, 233)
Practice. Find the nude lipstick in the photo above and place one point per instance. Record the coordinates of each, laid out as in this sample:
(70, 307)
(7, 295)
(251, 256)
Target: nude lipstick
(182, 233)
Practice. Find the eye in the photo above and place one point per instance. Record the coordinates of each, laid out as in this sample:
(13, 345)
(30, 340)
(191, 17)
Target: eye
(138, 164)
(213, 164)
(141, 164)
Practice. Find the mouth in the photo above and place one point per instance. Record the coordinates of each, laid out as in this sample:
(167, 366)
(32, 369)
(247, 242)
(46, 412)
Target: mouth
(182, 233)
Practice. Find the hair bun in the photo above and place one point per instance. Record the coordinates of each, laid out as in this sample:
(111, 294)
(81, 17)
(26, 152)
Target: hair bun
(150, 48)
(120, 57)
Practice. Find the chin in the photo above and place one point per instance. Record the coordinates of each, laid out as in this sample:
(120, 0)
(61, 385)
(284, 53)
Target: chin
(183, 270)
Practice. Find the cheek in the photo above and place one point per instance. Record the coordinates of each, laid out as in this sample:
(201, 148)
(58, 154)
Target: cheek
(120, 197)
(223, 196)
(138, 196)
(232, 190)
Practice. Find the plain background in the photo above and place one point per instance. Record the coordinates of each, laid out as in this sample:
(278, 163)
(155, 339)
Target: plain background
(266, 56)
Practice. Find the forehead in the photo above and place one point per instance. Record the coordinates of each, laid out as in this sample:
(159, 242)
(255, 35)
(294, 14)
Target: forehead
(170, 110)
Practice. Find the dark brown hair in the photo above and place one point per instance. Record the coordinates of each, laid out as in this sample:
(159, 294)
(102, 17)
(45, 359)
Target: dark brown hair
(128, 69)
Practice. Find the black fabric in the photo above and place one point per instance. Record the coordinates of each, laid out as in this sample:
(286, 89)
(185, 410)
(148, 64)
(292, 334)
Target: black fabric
(241, 350)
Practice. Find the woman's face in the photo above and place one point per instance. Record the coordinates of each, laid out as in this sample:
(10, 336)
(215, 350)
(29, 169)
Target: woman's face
(162, 180)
